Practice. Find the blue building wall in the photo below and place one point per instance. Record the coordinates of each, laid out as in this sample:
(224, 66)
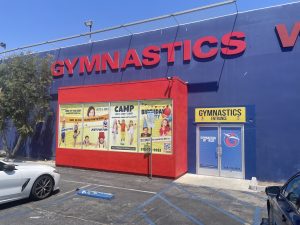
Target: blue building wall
(265, 79)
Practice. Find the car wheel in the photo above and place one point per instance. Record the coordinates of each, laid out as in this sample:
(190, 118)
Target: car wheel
(42, 187)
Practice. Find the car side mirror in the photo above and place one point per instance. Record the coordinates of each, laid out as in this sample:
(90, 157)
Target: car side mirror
(273, 191)
(9, 167)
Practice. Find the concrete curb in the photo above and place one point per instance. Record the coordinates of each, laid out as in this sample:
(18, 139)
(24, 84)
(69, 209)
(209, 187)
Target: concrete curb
(43, 162)
(219, 183)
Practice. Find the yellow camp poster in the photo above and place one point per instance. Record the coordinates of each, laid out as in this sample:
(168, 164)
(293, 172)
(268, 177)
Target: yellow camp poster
(70, 126)
(123, 126)
(156, 126)
(95, 126)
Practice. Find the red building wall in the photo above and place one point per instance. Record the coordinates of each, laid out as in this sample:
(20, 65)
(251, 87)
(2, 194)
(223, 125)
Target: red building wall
(138, 163)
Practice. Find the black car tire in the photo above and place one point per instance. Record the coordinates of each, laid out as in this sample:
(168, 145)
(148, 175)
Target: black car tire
(42, 187)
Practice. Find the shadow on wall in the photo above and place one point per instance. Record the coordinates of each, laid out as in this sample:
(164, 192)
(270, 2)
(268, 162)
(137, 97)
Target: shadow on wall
(41, 142)
(39, 146)
(203, 87)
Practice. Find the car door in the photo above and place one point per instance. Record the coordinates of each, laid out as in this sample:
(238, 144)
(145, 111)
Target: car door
(286, 206)
(10, 183)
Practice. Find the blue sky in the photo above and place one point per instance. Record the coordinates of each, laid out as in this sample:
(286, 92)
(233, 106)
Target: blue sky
(32, 21)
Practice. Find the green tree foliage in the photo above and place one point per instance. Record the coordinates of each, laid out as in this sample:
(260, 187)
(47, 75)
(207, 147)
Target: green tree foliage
(25, 81)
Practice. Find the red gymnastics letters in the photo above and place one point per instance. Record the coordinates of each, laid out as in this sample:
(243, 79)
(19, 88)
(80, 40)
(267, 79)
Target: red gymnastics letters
(288, 40)
(204, 48)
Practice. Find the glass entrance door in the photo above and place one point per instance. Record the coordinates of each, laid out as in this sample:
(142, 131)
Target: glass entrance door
(220, 150)
(208, 158)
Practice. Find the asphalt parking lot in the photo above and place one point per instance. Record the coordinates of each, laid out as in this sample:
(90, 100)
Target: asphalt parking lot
(137, 200)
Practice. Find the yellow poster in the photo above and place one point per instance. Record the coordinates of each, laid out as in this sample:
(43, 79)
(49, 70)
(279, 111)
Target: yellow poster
(220, 115)
(95, 126)
(156, 126)
(70, 126)
(123, 126)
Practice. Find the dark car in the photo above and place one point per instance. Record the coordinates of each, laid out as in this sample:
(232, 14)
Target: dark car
(284, 202)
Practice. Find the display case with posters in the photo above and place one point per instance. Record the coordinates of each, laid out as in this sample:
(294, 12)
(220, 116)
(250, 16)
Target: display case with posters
(129, 126)
(126, 130)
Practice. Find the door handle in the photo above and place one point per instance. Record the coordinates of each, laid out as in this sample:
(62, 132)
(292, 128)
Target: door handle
(218, 151)
(283, 218)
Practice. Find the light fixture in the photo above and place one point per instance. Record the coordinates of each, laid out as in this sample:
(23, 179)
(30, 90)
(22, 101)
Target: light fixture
(3, 45)
(89, 23)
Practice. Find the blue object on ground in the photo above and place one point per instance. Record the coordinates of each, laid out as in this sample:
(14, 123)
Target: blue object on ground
(95, 194)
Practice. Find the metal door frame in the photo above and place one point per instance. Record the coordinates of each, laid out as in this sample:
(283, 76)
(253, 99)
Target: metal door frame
(218, 172)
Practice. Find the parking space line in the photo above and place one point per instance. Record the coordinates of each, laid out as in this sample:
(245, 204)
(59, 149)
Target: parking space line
(159, 195)
(243, 202)
(184, 213)
(142, 205)
(66, 216)
(146, 218)
(114, 187)
(71, 191)
(49, 203)
(257, 216)
(54, 201)
(70, 196)
(14, 214)
(218, 191)
(196, 197)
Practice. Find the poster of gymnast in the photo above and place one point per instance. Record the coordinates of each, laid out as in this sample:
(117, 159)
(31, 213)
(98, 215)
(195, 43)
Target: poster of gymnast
(70, 126)
(156, 119)
(95, 126)
(123, 126)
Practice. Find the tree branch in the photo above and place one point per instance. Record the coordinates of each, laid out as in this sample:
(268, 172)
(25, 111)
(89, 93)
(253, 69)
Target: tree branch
(17, 146)
(4, 142)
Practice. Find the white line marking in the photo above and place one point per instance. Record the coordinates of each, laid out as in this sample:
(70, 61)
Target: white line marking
(35, 217)
(64, 215)
(108, 186)
(72, 190)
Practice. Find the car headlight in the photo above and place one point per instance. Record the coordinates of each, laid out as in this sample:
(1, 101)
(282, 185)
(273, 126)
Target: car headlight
(55, 171)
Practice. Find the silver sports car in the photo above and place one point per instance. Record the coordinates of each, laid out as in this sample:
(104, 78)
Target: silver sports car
(24, 180)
